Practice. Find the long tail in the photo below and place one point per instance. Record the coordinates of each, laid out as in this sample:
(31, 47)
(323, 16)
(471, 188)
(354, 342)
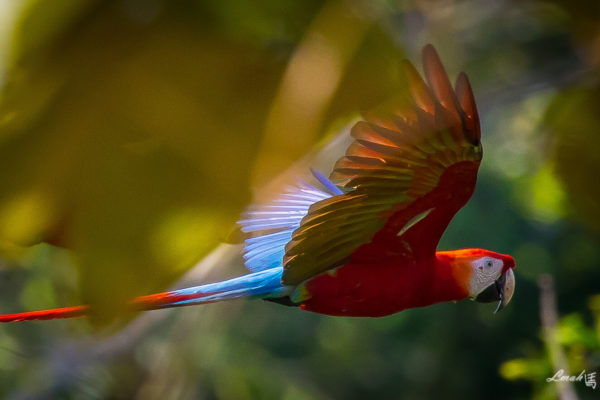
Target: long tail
(262, 284)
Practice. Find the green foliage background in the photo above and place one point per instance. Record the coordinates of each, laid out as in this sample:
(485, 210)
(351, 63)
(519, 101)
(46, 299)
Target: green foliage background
(132, 133)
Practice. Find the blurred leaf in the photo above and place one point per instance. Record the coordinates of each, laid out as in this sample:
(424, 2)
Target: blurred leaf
(574, 122)
(525, 368)
(572, 330)
(141, 145)
(42, 22)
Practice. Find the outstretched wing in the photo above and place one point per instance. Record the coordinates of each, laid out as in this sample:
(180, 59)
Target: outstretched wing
(412, 166)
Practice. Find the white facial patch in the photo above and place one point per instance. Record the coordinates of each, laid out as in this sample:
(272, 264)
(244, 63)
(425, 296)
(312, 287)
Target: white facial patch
(485, 271)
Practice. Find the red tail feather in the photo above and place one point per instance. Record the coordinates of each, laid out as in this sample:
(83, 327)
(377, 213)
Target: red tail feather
(55, 313)
(142, 303)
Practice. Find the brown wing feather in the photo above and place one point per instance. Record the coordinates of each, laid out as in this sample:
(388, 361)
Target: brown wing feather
(391, 172)
(467, 103)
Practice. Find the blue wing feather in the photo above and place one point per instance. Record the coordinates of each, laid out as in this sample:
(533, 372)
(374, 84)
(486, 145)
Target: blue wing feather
(269, 227)
(326, 182)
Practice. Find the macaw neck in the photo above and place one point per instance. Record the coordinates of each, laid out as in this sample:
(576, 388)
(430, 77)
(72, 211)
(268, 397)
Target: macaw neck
(452, 276)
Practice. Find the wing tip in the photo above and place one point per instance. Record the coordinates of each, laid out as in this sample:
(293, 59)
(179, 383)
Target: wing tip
(431, 59)
(438, 81)
(429, 50)
(466, 99)
(418, 90)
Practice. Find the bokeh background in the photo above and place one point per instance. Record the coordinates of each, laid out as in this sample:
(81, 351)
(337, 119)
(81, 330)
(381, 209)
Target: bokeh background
(133, 132)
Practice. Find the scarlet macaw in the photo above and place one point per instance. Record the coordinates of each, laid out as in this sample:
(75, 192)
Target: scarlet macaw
(364, 243)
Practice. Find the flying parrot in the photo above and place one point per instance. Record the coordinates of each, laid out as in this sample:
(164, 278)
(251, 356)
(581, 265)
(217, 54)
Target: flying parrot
(362, 242)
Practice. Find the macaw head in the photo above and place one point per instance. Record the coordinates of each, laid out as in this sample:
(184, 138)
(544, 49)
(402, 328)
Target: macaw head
(492, 278)
(486, 276)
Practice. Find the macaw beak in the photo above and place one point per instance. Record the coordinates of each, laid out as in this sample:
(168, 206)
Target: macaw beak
(501, 291)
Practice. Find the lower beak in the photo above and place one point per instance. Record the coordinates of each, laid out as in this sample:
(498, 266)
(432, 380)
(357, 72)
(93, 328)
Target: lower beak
(501, 290)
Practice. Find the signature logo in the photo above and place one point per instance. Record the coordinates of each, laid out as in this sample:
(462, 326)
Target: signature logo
(588, 379)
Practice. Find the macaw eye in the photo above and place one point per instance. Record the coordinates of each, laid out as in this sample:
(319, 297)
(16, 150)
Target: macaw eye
(489, 264)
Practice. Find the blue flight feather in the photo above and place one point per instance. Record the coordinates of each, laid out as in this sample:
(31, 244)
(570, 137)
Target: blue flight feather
(270, 227)
(326, 182)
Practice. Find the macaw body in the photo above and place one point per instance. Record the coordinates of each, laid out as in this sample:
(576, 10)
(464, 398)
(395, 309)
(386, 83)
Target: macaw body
(366, 290)
(363, 241)
(383, 277)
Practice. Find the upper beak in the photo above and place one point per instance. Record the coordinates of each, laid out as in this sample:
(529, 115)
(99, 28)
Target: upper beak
(501, 290)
